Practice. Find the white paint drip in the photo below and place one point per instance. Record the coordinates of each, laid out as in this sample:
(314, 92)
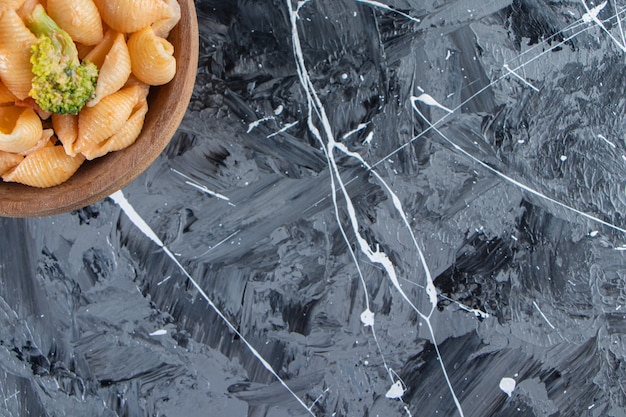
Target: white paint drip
(386, 7)
(375, 256)
(353, 131)
(430, 101)
(134, 217)
(141, 224)
(256, 123)
(284, 129)
(507, 385)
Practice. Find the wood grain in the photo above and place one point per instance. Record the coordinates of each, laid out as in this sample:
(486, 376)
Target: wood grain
(100, 178)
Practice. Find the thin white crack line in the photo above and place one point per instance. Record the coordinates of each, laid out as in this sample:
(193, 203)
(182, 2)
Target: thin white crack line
(119, 198)
(619, 23)
(375, 256)
(233, 234)
(524, 80)
(543, 315)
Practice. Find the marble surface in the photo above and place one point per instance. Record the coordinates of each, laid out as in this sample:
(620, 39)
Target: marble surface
(401, 208)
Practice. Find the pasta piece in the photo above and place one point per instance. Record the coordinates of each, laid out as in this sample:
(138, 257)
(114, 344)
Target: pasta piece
(10, 4)
(152, 58)
(79, 18)
(20, 129)
(9, 160)
(15, 43)
(99, 52)
(123, 138)
(131, 15)
(45, 167)
(66, 128)
(99, 122)
(163, 27)
(46, 135)
(6, 96)
(114, 71)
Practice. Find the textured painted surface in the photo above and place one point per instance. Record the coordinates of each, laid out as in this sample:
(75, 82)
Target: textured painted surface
(408, 208)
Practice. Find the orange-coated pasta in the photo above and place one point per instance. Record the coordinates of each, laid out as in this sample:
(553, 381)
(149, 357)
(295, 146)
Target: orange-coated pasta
(125, 39)
(66, 129)
(20, 129)
(114, 70)
(6, 96)
(152, 58)
(97, 123)
(9, 160)
(131, 15)
(46, 167)
(15, 42)
(80, 18)
(163, 27)
(124, 137)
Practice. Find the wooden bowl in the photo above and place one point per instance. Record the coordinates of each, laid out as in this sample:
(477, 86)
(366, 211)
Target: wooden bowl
(102, 177)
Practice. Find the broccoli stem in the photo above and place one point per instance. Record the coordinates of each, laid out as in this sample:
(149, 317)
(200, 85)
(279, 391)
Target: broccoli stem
(41, 24)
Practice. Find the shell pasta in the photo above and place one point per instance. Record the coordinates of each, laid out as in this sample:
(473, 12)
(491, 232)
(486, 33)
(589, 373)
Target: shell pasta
(125, 40)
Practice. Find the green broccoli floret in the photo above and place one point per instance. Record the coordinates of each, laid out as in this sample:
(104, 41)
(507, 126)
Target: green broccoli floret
(61, 83)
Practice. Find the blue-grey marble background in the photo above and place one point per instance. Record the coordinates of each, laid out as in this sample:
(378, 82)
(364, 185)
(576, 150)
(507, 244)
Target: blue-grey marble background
(399, 208)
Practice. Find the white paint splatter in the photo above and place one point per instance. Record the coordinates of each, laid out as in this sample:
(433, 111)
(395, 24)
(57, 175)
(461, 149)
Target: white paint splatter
(592, 14)
(396, 391)
(507, 385)
(430, 101)
(257, 123)
(367, 318)
(360, 127)
(375, 256)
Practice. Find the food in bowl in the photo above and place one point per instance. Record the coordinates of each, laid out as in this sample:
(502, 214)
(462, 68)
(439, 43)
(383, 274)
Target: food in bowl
(75, 87)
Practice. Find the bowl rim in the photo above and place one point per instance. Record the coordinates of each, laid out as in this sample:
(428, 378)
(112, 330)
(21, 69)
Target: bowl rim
(99, 178)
